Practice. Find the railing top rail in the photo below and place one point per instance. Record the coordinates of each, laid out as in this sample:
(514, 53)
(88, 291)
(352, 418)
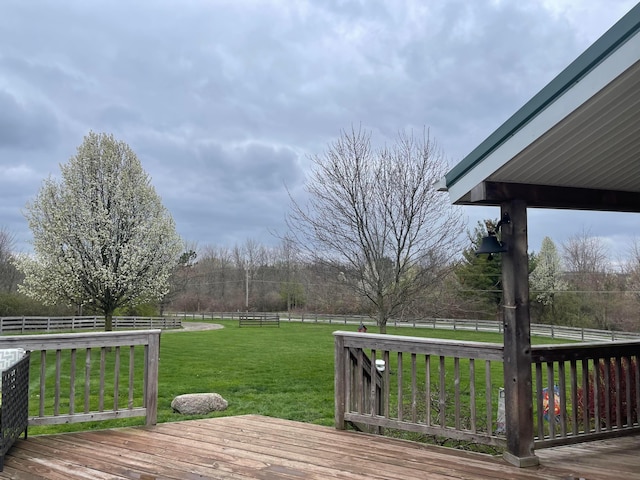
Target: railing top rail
(432, 346)
(575, 351)
(78, 340)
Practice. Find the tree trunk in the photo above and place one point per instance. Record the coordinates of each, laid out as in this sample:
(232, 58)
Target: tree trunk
(382, 322)
(108, 321)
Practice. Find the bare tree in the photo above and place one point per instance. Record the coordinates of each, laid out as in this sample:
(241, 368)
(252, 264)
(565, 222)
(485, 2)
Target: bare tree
(586, 260)
(632, 267)
(630, 277)
(377, 217)
(584, 253)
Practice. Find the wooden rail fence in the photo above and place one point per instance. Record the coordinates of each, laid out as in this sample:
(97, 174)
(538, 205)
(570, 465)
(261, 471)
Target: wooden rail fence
(259, 320)
(83, 377)
(24, 325)
(540, 330)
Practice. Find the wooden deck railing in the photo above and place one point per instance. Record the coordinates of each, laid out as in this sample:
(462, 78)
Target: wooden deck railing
(586, 391)
(83, 377)
(417, 391)
(581, 391)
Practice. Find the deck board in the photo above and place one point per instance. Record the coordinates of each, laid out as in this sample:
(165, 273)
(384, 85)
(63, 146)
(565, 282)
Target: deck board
(256, 447)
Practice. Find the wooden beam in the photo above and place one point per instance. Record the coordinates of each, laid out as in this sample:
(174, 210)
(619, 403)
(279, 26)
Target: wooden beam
(546, 196)
(517, 338)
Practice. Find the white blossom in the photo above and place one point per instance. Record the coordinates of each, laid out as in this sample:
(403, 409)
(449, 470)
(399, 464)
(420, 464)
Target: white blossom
(101, 233)
(546, 278)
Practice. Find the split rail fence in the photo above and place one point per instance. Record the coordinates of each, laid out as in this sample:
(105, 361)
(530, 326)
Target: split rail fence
(22, 325)
(539, 330)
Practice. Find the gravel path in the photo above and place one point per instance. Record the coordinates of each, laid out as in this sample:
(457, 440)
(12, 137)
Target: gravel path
(196, 327)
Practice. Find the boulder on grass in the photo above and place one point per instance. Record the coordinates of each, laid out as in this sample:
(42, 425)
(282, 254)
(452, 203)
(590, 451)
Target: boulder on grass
(198, 403)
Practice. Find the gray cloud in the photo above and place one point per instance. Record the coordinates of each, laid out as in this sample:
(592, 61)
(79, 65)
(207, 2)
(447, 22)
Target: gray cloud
(25, 125)
(225, 101)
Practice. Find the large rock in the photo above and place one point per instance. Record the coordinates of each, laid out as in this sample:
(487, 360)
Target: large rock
(198, 403)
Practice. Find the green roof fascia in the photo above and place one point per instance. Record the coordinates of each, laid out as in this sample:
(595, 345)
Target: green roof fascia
(626, 27)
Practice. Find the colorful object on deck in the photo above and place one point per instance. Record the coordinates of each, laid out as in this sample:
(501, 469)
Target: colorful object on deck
(546, 403)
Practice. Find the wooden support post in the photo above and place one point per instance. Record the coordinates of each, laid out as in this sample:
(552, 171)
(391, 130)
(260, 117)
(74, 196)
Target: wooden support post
(151, 378)
(517, 337)
(340, 380)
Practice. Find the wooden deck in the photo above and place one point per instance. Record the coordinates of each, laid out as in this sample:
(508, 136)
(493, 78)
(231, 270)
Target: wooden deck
(255, 447)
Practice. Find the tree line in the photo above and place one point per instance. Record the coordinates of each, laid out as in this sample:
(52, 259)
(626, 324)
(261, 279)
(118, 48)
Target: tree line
(574, 283)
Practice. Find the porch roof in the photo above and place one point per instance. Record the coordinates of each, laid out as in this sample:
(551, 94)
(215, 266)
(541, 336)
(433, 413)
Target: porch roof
(576, 144)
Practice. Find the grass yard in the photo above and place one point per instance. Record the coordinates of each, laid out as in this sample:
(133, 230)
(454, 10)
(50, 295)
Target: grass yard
(284, 372)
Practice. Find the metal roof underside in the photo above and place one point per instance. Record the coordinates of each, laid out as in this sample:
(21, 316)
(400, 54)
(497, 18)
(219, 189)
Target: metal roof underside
(575, 145)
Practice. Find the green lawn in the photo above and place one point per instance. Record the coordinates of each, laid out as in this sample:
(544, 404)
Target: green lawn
(284, 372)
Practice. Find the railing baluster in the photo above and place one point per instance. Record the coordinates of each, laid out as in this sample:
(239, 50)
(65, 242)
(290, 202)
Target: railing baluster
(456, 376)
(103, 366)
(132, 363)
(552, 400)
(56, 405)
(539, 406)
(373, 401)
(360, 382)
(72, 383)
(385, 383)
(618, 374)
(443, 393)
(562, 385)
(487, 393)
(87, 380)
(597, 388)
(627, 373)
(400, 396)
(427, 388)
(472, 394)
(116, 379)
(636, 365)
(574, 396)
(43, 380)
(414, 390)
(585, 396)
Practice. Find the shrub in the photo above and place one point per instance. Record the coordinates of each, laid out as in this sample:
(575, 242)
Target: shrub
(627, 374)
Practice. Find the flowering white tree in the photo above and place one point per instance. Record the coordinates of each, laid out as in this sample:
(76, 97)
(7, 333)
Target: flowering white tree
(546, 278)
(101, 235)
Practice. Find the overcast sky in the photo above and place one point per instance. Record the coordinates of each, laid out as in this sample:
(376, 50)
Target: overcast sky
(224, 101)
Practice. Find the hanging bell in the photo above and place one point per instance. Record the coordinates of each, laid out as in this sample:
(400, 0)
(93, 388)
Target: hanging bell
(490, 245)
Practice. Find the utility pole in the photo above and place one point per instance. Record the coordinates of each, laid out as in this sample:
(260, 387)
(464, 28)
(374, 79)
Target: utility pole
(246, 290)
